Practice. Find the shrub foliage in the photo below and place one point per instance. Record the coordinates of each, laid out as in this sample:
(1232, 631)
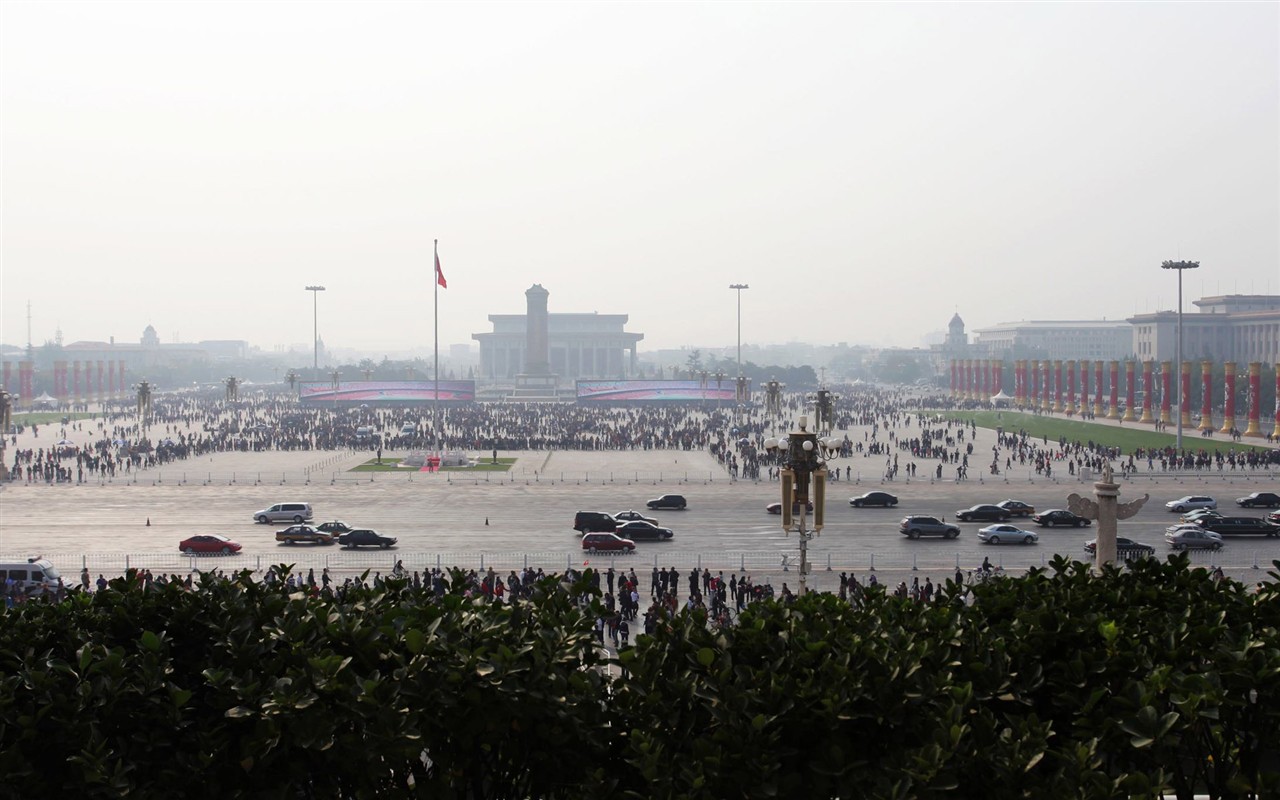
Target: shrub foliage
(1064, 683)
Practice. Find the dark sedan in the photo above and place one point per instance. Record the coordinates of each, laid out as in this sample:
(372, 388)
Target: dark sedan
(1259, 499)
(363, 537)
(882, 499)
(776, 508)
(983, 513)
(641, 531)
(1059, 516)
(335, 527)
(1124, 547)
(1017, 508)
(671, 501)
(1240, 526)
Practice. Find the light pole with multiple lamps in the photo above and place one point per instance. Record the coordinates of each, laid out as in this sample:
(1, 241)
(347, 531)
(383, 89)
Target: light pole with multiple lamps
(315, 330)
(738, 287)
(1180, 266)
(804, 458)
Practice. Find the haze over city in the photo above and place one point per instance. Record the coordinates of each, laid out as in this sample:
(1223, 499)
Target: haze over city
(868, 169)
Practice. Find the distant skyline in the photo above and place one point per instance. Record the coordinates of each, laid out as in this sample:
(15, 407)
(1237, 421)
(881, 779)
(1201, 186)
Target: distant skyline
(868, 169)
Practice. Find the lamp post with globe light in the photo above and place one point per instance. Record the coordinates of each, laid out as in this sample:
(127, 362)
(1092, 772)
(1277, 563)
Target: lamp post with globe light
(1180, 266)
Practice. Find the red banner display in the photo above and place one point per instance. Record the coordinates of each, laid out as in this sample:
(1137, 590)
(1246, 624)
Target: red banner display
(1254, 428)
(1114, 412)
(1228, 397)
(1206, 396)
(1148, 389)
(1166, 392)
(1185, 395)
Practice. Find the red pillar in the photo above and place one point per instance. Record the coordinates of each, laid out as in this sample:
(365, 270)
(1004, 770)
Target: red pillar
(1228, 398)
(1098, 409)
(997, 376)
(1254, 427)
(101, 384)
(1186, 394)
(1114, 413)
(120, 366)
(1206, 394)
(1057, 386)
(75, 365)
(26, 382)
(1148, 390)
(1071, 388)
(1166, 391)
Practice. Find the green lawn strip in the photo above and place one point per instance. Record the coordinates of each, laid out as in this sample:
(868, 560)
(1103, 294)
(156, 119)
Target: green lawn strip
(1126, 438)
(389, 465)
(48, 417)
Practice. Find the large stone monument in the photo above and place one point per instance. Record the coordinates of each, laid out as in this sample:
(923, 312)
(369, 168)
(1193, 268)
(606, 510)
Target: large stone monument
(537, 378)
(1107, 511)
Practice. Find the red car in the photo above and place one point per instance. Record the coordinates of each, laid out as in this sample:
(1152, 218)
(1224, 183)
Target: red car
(209, 543)
(607, 542)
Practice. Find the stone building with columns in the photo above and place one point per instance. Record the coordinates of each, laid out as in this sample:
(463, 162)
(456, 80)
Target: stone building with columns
(574, 345)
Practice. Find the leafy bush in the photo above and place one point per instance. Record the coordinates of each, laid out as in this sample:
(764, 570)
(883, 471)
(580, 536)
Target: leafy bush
(1060, 684)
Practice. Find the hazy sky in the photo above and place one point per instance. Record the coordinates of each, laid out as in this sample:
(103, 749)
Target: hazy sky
(868, 169)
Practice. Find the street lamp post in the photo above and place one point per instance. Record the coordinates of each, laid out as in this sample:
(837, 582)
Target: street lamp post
(738, 287)
(804, 460)
(1177, 370)
(315, 330)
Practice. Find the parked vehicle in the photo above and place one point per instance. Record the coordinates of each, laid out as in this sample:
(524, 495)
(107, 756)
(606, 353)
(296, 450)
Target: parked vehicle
(639, 530)
(283, 512)
(364, 537)
(1240, 526)
(883, 499)
(1201, 513)
(633, 516)
(1184, 504)
(607, 543)
(1259, 499)
(1124, 547)
(1017, 508)
(208, 543)
(776, 508)
(31, 577)
(1192, 537)
(585, 521)
(303, 534)
(668, 501)
(1007, 534)
(917, 525)
(983, 513)
(1059, 516)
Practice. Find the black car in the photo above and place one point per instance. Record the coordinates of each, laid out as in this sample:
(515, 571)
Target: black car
(1017, 508)
(363, 537)
(1058, 516)
(641, 531)
(669, 501)
(1259, 499)
(335, 527)
(632, 516)
(915, 526)
(776, 508)
(883, 499)
(1239, 526)
(1124, 547)
(983, 513)
(594, 522)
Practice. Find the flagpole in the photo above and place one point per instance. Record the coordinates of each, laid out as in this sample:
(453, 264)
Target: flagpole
(435, 400)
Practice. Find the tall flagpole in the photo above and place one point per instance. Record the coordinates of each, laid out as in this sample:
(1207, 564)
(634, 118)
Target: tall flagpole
(435, 400)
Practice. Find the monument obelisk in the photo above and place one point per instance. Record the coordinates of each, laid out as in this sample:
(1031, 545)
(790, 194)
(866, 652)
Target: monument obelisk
(536, 379)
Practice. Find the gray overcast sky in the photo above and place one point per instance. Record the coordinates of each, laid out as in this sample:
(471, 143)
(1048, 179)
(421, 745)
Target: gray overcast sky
(867, 168)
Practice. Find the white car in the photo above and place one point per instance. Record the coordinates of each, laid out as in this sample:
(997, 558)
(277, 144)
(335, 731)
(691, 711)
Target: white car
(1192, 537)
(1007, 534)
(1185, 504)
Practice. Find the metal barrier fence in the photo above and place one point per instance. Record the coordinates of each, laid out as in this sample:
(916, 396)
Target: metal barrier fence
(322, 473)
(768, 563)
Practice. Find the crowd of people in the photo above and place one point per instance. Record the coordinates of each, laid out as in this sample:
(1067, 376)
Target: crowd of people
(905, 428)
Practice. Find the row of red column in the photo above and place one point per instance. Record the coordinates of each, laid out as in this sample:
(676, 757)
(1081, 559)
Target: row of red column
(1051, 386)
(110, 381)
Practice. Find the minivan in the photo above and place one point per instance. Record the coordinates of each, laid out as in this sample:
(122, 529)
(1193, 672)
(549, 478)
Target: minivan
(594, 522)
(284, 512)
(33, 576)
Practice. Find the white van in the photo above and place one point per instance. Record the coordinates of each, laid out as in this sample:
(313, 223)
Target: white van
(284, 512)
(33, 576)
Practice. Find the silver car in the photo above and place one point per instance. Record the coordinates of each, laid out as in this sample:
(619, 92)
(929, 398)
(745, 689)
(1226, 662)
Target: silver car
(1184, 504)
(1007, 534)
(1192, 537)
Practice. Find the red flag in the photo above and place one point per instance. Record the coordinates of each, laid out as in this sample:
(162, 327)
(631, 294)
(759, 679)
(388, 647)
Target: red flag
(440, 275)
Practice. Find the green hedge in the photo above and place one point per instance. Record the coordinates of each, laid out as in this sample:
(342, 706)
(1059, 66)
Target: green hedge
(1060, 684)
